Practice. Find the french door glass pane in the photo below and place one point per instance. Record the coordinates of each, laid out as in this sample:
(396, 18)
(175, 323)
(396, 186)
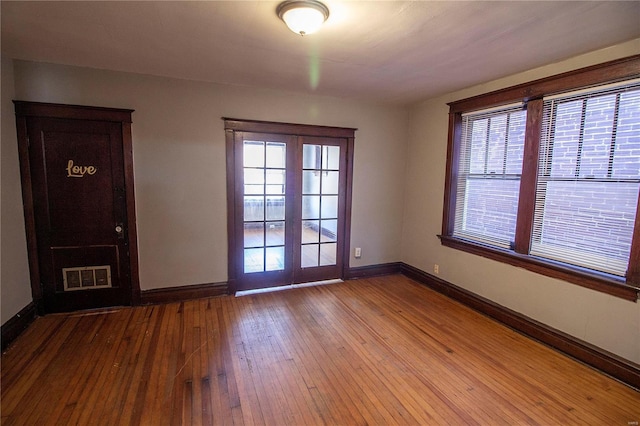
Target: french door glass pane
(276, 155)
(275, 208)
(310, 207)
(311, 156)
(331, 158)
(320, 184)
(275, 259)
(310, 232)
(329, 207)
(309, 258)
(328, 254)
(264, 205)
(253, 154)
(310, 182)
(254, 177)
(275, 234)
(329, 230)
(253, 260)
(253, 208)
(253, 234)
(330, 182)
(275, 181)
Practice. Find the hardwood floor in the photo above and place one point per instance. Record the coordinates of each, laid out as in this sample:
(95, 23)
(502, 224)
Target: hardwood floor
(384, 350)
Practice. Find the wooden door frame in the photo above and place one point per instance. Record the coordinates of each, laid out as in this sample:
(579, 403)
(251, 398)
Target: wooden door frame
(233, 125)
(25, 110)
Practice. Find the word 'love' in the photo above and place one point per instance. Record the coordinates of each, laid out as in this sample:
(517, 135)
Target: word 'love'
(79, 171)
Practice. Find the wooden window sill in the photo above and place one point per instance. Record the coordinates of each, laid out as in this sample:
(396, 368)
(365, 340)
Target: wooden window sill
(583, 277)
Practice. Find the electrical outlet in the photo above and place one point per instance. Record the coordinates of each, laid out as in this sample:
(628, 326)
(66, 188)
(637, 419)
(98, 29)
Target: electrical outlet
(357, 253)
(436, 268)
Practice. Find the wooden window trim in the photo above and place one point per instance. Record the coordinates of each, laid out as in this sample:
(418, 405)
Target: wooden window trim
(254, 126)
(531, 93)
(583, 278)
(608, 72)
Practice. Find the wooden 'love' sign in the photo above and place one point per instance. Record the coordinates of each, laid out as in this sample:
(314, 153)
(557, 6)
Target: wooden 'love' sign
(79, 171)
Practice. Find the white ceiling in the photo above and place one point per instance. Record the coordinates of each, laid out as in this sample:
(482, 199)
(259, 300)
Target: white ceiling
(396, 52)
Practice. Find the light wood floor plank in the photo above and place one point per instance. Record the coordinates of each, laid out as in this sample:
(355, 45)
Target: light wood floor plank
(383, 350)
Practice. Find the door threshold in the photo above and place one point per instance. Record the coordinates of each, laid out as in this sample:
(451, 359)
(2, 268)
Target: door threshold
(286, 287)
(90, 311)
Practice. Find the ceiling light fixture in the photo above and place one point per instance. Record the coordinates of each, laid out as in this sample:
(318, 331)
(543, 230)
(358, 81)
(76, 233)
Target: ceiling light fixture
(303, 16)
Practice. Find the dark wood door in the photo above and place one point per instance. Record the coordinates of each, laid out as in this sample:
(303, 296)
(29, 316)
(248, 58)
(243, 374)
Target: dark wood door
(79, 209)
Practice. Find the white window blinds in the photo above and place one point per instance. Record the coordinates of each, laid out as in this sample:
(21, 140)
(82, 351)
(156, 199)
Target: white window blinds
(489, 171)
(588, 178)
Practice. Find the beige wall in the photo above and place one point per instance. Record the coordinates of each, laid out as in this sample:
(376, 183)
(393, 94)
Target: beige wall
(179, 161)
(605, 321)
(15, 288)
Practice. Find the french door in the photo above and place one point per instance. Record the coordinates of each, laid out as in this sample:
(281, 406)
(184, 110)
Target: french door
(289, 196)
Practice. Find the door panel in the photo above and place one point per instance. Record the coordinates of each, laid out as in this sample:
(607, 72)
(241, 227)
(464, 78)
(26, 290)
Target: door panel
(264, 192)
(321, 196)
(80, 212)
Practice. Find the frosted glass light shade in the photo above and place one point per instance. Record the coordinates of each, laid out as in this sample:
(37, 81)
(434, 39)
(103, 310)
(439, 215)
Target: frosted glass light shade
(303, 17)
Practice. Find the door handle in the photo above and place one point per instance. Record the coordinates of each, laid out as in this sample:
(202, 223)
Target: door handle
(120, 230)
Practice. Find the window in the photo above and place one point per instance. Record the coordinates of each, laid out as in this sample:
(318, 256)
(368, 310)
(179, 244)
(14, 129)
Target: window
(546, 176)
(588, 178)
(489, 175)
